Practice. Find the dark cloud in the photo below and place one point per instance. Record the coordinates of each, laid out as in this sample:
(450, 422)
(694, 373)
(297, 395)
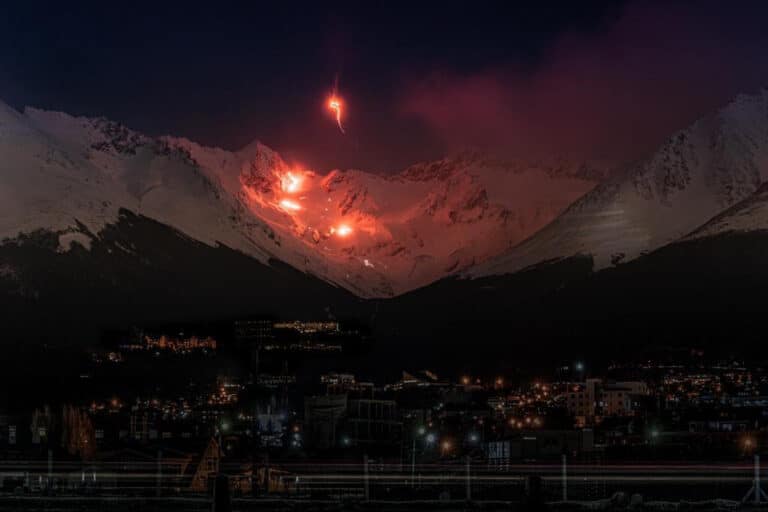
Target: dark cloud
(610, 95)
(596, 78)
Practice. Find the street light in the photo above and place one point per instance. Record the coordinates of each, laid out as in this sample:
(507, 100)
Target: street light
(446, 447)
(420, 433)
(749, 444)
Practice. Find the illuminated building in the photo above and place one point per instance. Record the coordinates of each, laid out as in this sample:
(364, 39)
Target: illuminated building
(251, 336)
(595, 399)
(308, 327)
(179, 344)
(423, 378)
(540, 444)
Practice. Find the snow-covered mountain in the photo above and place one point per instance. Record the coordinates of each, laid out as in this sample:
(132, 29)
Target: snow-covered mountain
(749, 215)
(394, 233)
(374, 235)
(699, 172)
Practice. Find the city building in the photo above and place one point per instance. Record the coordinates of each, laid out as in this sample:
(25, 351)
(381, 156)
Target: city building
(374, 421)
(595, 399)
(323, 417)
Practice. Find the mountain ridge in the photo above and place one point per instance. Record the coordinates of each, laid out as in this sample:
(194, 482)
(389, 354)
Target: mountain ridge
(698, 172)
(375, 235)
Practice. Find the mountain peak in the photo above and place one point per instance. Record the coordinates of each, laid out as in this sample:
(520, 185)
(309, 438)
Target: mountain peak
(698, 172)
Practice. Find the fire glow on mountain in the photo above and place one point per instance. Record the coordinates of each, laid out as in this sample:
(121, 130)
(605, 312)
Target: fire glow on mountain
(292, 183)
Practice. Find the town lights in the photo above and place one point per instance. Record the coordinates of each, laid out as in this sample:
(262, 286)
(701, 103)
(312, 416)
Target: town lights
(431, 438)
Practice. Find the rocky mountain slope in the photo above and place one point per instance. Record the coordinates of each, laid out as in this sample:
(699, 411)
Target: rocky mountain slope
(699, 172)
(376, 236)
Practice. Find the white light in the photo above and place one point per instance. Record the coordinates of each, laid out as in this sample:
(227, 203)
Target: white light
(343, 230)
(291, 183)
(287, 204)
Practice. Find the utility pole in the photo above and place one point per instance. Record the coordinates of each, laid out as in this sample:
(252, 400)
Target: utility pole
(413, 463)
(469, 479)
(50, 468)
(758, 494)
(565, 478)
(365, 478)
(159, 477)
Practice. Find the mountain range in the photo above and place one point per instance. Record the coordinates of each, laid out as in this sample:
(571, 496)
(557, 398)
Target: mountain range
(375, 235)
(93, 212)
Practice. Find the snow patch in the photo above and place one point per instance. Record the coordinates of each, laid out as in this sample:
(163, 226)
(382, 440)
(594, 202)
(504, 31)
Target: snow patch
(68, 240)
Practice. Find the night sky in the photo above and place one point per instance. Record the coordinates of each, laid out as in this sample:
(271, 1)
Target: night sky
(604, 80)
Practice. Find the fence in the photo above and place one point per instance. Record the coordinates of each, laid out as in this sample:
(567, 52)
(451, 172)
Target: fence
(371, 480)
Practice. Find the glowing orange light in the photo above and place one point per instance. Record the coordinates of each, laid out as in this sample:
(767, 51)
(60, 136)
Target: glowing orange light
(291, 183)
(287, 204)
(343, 230)
(334, 103)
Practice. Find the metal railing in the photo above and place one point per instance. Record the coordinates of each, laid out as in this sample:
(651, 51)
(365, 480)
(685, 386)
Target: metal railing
(369, 480)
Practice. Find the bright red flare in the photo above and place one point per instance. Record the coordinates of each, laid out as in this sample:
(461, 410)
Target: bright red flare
(334, 103)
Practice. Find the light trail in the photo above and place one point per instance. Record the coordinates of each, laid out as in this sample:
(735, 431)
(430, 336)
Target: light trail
(334, 103)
